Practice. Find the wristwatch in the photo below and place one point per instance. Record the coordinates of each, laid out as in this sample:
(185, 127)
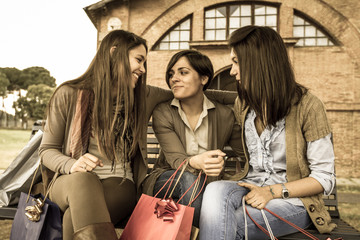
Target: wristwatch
(285, 192)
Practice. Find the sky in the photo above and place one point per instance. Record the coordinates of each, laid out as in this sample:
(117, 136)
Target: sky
(54, 34)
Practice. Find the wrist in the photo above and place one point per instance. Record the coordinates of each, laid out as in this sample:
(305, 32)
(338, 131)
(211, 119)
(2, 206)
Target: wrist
(272, 191)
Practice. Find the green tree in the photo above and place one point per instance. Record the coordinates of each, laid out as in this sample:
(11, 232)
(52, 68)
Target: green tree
(33, 105)
(35, 76)
(4, 83)
(12, 75)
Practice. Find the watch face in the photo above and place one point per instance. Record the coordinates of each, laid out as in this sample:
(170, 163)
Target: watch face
(286, 194)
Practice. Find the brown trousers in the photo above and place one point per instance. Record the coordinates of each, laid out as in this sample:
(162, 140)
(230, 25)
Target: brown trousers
(85, 199)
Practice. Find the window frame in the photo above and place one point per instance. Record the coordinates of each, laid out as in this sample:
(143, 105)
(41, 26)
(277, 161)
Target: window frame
(227, 6)
(157, 43)
(317, 26)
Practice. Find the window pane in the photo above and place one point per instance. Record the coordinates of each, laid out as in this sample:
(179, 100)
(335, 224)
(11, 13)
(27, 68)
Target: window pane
(221, 23)
(245, 10)
(184, 35)
(221, 12)
(210, 23)
(184, 45)
(310, 41)
(298, 20)
(234, 11)
(259, 10)
(220, 35)
(245, 21)
(271, 10)
(185, 25)
(164, 46)
(298, 31)
(166, 38)
(271, 20)
(210, 35)
(319, 33)
(174, 45)
(234, 22)
(322, 42)
(231, 30)
(260, 20)
(310, 31)
(174, 36)
(300, 42)
(210, 13)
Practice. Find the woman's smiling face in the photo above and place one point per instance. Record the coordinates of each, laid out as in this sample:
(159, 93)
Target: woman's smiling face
(185, 81)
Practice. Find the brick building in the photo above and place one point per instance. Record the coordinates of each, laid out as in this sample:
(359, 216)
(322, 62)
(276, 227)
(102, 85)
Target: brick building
(322, 36)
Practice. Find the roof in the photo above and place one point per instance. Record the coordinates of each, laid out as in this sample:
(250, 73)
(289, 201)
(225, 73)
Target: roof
(92, 9)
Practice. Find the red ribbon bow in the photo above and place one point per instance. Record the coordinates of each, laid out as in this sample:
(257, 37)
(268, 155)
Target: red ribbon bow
(165, 208)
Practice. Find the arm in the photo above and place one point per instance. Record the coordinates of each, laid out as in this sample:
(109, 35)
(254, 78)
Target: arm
(220, 96)
(53, 141)
(154, 96)
(210, 162)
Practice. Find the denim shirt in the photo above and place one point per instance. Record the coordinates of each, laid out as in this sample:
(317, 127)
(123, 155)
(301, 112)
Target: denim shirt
(267, 154)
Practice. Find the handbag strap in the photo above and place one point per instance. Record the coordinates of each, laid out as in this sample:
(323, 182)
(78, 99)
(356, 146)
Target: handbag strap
(283, 219)
(171, 179)
(257, 224)
(49, 187)
(293, 225)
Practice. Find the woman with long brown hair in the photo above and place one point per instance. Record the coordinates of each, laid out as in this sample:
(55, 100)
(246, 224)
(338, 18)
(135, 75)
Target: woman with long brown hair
(289, 157)
(95, 137)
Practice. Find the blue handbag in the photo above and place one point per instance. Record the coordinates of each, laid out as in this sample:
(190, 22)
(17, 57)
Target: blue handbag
(37, 218)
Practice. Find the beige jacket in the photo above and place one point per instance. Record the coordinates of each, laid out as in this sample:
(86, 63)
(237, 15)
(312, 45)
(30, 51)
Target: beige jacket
(169, 129)
(55, 146)
(306, 122)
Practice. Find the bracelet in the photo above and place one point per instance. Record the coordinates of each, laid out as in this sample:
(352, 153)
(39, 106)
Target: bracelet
(272, 192)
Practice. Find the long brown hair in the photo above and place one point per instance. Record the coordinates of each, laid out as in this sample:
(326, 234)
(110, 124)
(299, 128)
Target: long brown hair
(106, 71)
(268, 83)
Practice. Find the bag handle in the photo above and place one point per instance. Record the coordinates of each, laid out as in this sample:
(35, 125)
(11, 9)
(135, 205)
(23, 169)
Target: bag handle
(269, 231)
(33, 212)
(172, 177)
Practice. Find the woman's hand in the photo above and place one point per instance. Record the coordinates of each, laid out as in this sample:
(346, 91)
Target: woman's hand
(258, 197)
(86, 163)
(211, 162)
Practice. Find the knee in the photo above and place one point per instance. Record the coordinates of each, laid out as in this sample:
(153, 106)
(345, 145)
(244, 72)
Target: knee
(81, 181)
(213, 189)
(187, 179)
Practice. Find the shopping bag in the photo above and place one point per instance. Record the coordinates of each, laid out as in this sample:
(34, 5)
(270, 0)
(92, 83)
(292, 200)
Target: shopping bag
(48, 226)
(162, 219)
(145, 225)
(17, 177)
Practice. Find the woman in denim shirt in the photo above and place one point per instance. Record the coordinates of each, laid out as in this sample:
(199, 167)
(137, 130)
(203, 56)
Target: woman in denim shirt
(288, 149)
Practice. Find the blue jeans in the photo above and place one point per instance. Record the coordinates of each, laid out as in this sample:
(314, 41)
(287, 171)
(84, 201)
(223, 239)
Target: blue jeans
(222, 214)
(186, 180)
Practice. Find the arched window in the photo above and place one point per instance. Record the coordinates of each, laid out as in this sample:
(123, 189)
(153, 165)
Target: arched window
(178, 37)
(309, 34)
(221, 21)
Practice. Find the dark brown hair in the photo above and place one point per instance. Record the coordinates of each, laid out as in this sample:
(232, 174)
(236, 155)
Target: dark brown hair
(198, 61)
(268, 83)
(106, 71)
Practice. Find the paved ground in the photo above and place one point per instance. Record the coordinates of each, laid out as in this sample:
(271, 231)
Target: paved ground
(5, 225)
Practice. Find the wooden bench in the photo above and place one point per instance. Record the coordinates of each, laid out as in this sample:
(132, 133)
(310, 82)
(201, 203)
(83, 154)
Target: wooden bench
(343, 230)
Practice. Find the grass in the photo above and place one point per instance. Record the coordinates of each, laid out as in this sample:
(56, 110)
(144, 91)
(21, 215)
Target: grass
(12, 141)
